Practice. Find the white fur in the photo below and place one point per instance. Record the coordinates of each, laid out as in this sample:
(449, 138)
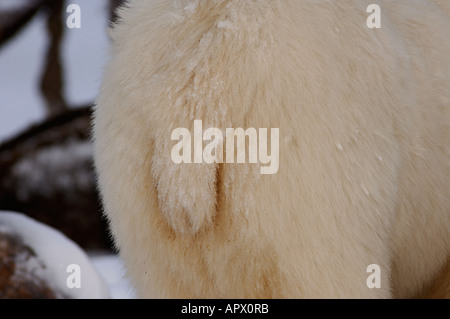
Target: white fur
(364, 147)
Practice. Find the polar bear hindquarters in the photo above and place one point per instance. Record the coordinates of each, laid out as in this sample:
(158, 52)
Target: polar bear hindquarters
(362, 119)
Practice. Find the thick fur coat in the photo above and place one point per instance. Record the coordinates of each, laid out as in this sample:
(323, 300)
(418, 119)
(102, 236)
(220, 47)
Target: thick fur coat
(364, 175)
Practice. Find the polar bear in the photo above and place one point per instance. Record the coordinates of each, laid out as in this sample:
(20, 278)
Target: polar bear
(363, 118)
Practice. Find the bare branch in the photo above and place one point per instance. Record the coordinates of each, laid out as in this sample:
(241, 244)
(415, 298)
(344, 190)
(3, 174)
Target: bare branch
(12, 22)
(52, 84)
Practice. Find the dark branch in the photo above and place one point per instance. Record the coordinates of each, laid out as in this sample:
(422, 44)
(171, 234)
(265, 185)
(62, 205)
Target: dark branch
(52, 83)
(12, 22)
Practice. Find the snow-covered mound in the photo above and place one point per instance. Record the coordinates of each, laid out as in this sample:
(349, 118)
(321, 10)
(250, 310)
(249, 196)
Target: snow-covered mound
(111, 268)
(67, 269)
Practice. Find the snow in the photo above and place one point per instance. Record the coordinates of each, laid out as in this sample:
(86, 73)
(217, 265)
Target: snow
(191, 7)
(102, 273)
(57, 253)
(33, 172)
(111, 269)
(225, 24)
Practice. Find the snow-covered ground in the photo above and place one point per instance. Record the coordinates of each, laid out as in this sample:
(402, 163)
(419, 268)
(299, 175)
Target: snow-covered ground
(84, 53)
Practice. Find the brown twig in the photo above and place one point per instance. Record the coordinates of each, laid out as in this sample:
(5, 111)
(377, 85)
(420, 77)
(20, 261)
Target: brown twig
(12, 22)
(52, 85)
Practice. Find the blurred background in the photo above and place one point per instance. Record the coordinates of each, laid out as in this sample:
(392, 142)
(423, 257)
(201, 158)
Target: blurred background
(49, 77)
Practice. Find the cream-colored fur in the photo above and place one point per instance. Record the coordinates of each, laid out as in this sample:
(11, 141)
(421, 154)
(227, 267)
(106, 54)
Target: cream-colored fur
(364, 147)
